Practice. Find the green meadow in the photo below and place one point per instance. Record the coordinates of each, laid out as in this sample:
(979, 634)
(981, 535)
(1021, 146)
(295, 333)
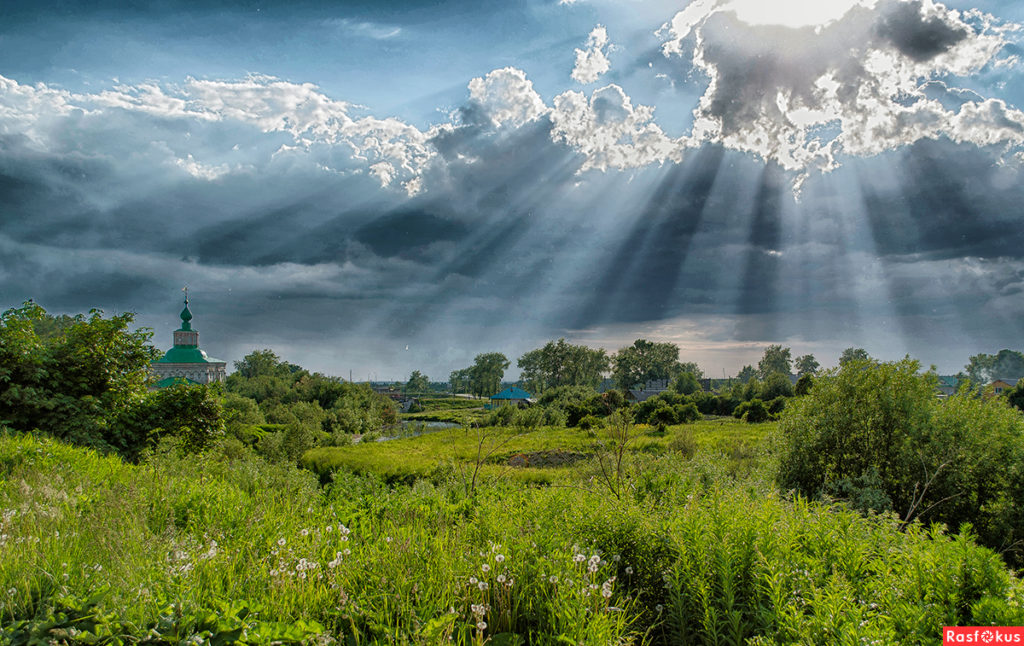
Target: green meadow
(385, 544)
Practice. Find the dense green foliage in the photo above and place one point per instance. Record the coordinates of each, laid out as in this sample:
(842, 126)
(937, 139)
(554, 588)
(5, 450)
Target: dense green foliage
(483, 378)
(1005, 364)
(305, 409)
(181, 550)
(83, 379)
(877, 431)
(776, 359)
(646, 361)
(560, 364)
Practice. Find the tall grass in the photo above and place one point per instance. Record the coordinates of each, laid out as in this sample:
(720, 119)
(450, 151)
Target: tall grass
(105, 552)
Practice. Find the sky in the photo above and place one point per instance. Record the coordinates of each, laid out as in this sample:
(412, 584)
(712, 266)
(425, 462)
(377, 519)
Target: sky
(372, 188)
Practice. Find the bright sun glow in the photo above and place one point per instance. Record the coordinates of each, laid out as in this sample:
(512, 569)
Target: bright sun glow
(793, 13)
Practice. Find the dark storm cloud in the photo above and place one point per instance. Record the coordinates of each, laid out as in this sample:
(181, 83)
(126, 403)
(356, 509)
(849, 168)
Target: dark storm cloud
(949, 201)
(920, 38)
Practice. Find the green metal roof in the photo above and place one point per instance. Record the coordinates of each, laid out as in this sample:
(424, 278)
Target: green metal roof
(512, 392)
(174, 381)
(186, 354)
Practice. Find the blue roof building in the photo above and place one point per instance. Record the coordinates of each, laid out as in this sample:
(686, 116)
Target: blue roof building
(511, 395)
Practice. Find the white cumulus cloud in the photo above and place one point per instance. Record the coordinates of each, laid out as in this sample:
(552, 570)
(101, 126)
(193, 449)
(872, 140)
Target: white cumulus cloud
(592, 62)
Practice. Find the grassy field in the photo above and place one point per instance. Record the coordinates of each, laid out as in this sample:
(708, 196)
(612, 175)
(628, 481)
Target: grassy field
(563, 453)
(221, 549)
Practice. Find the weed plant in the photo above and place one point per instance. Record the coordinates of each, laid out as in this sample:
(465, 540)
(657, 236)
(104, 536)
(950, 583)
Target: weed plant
(196, 549)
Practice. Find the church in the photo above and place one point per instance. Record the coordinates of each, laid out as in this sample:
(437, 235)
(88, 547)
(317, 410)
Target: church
(185, 362)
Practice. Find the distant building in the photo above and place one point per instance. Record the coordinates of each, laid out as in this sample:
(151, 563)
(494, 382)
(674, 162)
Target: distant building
(513, 395)
(185, 362)
(650, 389)
(1002, 385)
(948, 385)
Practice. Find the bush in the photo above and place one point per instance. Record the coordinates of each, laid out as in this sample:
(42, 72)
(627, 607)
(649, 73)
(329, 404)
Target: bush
(776, 385)
(776, 406)
(589, 422)
(686, 413)
(753, 411)
(952, 461)
(803, 385)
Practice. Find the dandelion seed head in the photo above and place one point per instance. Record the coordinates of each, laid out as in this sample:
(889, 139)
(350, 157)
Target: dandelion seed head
(485, 567)
(481, 625)
(281, 542)
(501, 578)
(482, 585)
(499, 558)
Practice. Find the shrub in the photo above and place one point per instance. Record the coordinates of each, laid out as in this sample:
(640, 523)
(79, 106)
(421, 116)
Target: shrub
(686, 413)
(776, 385)
(589, 422)
(776, 406)
(753, 411)
(952, 461)
(803, 385)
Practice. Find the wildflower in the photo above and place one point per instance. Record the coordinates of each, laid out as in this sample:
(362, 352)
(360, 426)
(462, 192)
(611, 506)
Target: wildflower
(346, 551)
(578, 558)
(482, 585)
(478, 609)
(387, 539)
(472, 580)
(629, 569)
(658, 608)
(11, 592)
(481, 625)
(616, 558)
(510, 582)
(281, 542)
(499, 558)
(329, 529)
(485, 567)
(606, 593)
(345, 537)
(304, 532)
(553, 579)
(501, 578)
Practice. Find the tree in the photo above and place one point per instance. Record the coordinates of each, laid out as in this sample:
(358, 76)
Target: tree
(876, 432)
(776, 385)
(562, 364)
(259, 363)
(806, 365)
(776, 359)
(645, 361)
(746, 374)
(853, 354)
(486, 373)
(803, 385)
(686, 383)
(75, 383)
(1005, 364)
(459, 381)
(418, 383)
(1015, 396)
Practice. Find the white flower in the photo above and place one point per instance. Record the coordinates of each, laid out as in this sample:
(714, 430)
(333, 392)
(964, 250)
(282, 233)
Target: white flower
(482, 585)
(553, 579)
(659, 607)
(485, 567)
(281, 542)
(345, 537)
(606, 593)
(501, 578)
(346, 551)
(481, 625)
(472, 580)
(629, 569)
(387, 540)
(498, 558)
(304, 532)
(579, 558)
(329, 529)
(616, 558)
(11, 592)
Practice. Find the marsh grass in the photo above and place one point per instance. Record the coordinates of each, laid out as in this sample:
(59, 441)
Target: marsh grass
(197, 549)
